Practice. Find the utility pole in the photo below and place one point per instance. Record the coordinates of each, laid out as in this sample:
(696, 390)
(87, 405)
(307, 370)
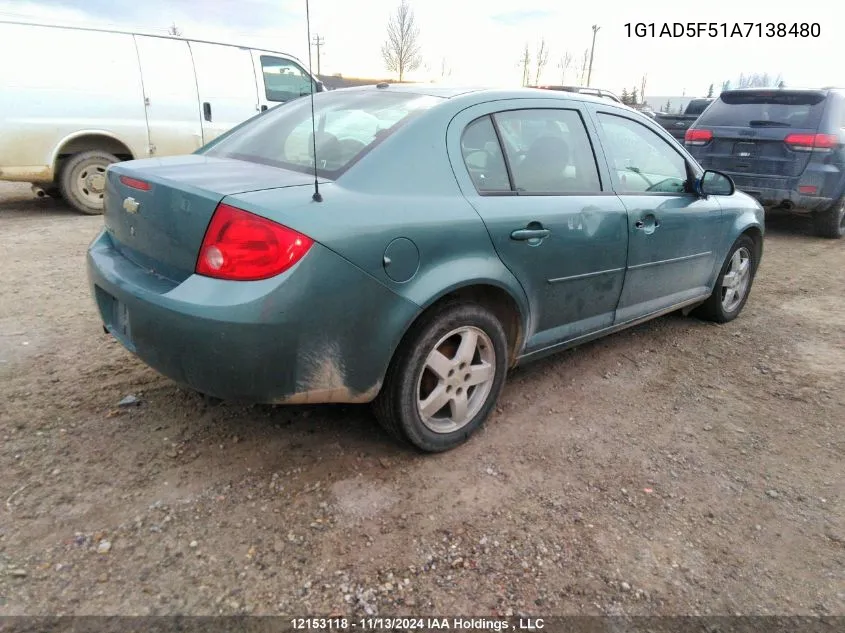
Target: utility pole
(592, 52)
(318, 42)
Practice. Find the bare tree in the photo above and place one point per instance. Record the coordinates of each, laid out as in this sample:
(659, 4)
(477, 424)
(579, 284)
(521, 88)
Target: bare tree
(401, 49)
(541, 61)
(563, 65)
(754, 80)
(174, 30)
(585, 58)
(445, 69)
(525, 62)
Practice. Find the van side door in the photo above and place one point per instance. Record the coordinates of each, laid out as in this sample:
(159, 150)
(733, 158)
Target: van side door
(170, 95)
(280, 79)
(226, 82)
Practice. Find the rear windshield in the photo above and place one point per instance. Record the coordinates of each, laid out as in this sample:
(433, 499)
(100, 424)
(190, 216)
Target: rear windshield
(766, 109)
(697, 106)
(348, 125)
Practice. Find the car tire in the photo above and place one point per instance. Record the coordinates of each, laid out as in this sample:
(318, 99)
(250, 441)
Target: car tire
(727, 299)
(457, 356)
(82, 180)
(831, 222)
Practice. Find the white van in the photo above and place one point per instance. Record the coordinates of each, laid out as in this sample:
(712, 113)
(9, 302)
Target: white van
(73, 100)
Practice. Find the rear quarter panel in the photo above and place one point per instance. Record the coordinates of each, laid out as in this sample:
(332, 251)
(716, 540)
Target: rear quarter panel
(405, 188)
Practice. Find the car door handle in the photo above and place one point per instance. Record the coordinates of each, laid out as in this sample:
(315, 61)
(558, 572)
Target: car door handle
(206, 110)
(530, 234)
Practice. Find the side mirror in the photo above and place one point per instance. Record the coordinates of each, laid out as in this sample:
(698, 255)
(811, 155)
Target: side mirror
(319, 86)
(715, 183)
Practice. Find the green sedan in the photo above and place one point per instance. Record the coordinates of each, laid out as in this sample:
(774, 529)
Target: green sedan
(407, 245)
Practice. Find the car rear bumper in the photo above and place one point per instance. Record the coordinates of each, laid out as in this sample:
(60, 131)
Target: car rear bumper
(784, 194)
(292, 339)
(787, 199)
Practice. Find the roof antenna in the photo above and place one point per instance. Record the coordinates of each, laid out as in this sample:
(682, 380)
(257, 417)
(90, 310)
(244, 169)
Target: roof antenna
(316, 197)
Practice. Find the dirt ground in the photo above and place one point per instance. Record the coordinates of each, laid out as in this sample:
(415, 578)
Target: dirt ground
(676, 468)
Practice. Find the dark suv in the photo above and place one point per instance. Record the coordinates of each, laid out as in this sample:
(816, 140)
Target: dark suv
(784, 147)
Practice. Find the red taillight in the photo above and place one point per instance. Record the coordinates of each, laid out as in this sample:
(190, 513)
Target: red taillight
(811, 142)
(808, 189)
(135, 183)
(242, 246)
(698, 137)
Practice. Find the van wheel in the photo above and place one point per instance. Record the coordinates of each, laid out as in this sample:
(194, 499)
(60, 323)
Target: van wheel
(83, 180)
(831, 223)
(445, 378)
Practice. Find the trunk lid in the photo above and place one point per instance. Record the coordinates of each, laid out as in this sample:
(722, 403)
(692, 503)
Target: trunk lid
(161, 229)
(749, 129)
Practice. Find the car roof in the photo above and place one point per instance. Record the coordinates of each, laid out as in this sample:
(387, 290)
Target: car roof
(451, 92)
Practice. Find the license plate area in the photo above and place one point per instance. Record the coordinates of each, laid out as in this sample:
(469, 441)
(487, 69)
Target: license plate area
(745, 150)
(116, 317)
(121, 322)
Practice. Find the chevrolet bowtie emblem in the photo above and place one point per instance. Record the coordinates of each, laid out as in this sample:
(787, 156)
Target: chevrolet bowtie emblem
(131, 205)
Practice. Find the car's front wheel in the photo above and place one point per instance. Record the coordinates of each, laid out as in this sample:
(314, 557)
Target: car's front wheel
(445, 378)
(831, 222)
(733, 283)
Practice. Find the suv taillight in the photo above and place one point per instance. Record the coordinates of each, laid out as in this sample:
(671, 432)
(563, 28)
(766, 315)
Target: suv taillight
(242, 246)
(697, 137)
(811, 142)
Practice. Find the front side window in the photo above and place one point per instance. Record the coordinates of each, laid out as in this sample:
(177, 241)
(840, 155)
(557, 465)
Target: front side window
(640, 160)
(548, 151)
(347, 124)
(284, 80)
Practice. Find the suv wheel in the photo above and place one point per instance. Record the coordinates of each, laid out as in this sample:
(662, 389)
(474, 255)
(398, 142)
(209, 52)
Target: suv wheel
(831, 223)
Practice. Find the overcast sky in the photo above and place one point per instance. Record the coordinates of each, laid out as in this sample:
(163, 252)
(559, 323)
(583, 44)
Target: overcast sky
(482, 40)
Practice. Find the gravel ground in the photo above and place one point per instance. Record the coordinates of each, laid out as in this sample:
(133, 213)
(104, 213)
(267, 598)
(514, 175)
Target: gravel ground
(676, 468)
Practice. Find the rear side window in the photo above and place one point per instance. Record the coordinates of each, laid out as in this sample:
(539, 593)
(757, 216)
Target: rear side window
(802, 110)
(548, 151)
(483, 157)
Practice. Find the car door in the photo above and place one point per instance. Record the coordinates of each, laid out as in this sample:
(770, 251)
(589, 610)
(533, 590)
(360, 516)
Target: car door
(170, 95)
(279, 79)
(528, 168)
(226, 84)
(672, 231)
